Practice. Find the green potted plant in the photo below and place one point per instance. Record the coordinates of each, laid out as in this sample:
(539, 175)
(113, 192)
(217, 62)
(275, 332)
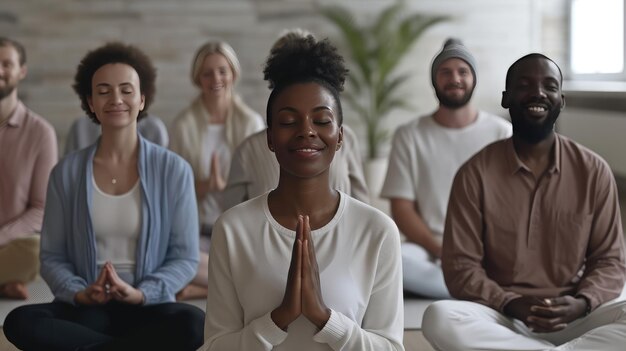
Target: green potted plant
(376, 49)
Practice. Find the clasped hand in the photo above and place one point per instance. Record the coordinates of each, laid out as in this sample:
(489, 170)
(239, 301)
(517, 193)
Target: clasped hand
(109, 286)
(303, 293)
(215, 182)
(546, 315)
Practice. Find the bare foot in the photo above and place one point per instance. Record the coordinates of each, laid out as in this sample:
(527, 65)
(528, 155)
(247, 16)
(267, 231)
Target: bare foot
(14, 290)
(191, 292)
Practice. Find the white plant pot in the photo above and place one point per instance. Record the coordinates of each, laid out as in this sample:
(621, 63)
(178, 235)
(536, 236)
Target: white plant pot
(375, 171)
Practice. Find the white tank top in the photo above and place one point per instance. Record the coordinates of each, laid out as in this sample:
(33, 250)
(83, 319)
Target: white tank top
(116, 224)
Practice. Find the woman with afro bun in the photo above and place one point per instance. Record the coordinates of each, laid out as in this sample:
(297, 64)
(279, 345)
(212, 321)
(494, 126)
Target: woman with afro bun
(304, 266)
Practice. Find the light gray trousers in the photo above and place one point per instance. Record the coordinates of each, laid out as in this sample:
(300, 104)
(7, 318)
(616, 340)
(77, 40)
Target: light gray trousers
(461, 325)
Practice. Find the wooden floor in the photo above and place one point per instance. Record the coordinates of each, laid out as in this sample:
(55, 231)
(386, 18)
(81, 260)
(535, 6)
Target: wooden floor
(413, 341)
(5, 345)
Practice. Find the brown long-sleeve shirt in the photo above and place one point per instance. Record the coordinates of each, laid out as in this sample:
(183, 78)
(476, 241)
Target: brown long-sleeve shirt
(508, 234)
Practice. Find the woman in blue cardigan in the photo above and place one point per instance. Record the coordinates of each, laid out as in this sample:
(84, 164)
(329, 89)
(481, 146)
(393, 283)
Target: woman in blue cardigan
(119, 237)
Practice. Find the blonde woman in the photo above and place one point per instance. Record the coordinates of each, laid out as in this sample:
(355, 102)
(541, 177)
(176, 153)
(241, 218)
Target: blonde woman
(206, 133)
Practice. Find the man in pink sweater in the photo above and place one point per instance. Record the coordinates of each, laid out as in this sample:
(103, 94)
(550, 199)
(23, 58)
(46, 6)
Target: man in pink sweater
(28, 151)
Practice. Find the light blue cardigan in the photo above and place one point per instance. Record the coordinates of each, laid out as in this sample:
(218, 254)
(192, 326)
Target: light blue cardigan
(167, 247)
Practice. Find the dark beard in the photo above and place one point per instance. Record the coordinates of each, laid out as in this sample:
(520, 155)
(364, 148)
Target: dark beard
(453, 103)
(6, 91)
(533, 133)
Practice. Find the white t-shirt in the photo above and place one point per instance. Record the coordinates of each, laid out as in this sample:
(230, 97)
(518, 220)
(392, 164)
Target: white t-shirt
(213, 142)
(425, 156)
(358, 253)
(116, 225)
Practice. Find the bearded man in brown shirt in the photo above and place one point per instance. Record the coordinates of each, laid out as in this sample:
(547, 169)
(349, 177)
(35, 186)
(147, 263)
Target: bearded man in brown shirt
(533, 238)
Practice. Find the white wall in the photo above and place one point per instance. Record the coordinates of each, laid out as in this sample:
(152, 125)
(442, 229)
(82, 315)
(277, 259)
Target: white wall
(57, 33)
(601, 131)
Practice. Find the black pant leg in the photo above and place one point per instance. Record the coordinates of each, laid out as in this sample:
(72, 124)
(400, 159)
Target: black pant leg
(56, 326)
(167, 326)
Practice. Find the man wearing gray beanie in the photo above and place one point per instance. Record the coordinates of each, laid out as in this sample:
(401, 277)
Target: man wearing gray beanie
(453, 48)
(425, 155)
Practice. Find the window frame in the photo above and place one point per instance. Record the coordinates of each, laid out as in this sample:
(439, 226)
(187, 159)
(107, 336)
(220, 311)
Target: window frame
(621, 76)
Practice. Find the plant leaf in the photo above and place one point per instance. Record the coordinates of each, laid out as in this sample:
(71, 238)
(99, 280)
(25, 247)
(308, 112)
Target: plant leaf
(358, 107)
(387, 89)
(376, 51)
(383, 26)
(409, 30)
(393, 104)
(353, 35)
(355, 83)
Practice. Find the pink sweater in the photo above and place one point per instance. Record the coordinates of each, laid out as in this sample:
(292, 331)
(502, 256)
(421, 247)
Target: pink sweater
(28, 151)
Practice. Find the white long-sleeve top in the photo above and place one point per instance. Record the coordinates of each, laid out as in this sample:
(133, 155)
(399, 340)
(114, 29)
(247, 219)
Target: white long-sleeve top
(358, 254)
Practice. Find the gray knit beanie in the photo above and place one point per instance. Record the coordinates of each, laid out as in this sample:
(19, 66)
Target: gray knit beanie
(453, 48)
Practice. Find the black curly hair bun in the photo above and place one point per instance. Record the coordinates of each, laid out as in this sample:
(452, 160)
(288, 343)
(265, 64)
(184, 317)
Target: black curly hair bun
(304, 60)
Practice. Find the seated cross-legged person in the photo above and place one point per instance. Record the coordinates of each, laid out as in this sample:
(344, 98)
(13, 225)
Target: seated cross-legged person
(304, 266)
(425, 156)
(120, 230)
(28, 151)
(205, 134)
(533, 238)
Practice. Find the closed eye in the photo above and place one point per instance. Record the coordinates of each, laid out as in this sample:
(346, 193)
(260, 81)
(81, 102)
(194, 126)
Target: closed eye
(323, 122)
